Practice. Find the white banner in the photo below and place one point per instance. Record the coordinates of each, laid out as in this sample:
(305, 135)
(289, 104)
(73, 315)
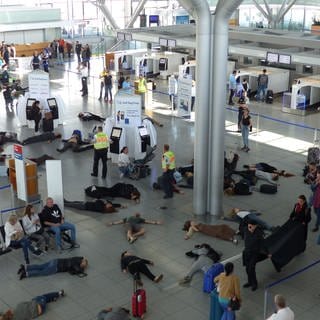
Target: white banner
(184, 97)
(39, 86)
(54, 182)
(21, 179)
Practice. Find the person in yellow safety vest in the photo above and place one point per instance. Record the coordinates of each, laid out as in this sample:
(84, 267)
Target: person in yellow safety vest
(101, 145)
(102, 76)
(142, 89)
(168, 168)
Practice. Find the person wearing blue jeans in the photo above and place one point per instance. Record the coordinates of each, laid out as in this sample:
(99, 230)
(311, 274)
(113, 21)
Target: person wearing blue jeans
(262, 85)
(32, 309)
(246, 123)
(51, 217)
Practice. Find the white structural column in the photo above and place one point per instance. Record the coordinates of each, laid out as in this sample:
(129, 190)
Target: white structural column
(199, 9)
(224, 10)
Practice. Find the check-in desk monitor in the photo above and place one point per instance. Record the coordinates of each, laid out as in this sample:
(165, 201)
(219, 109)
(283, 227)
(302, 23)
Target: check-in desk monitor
(115, 137)
(163, 64)
(53, 106)
(145, 138)
(29, 105)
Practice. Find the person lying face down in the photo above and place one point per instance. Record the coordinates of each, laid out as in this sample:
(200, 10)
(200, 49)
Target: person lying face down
(46, 136)
(87, 116)
(96, 206)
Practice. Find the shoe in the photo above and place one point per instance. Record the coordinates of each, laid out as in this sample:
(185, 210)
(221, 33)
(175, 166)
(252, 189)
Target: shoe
(315, 229)
(185, 281)
(247, 285)
(167, 197)
(247, 149)
(94, 175)
(244, 148)
(61, 293)
(59, 150)
(99, 98)
(21, 269)
(37, 253)
(84, 95)
(23, 275)
(254, 287)
(235, 241)
(132, 240)
(158, 278)
(121, 175)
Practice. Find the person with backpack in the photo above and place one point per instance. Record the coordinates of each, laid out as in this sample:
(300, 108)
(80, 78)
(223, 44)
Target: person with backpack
(36, 114)
(35, 61)
(204, 256)
(263, 80)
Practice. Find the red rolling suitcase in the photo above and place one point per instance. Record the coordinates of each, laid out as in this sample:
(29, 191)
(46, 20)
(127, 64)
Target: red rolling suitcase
(138, 301)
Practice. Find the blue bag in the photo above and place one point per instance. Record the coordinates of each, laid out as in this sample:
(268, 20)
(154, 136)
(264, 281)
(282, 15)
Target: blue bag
(215, 270)
(216, 310)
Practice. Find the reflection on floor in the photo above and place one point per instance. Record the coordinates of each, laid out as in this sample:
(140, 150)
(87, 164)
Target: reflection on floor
(105, 285)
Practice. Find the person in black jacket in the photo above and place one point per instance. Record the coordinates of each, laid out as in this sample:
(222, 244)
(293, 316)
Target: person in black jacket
(46, 136)
(253, 252)
(136, 265)
(74, 265)
(52, 217)
(96, 206)
(121, 190)
(87, 116)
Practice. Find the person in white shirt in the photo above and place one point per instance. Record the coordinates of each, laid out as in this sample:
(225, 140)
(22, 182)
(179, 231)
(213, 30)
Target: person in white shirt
(124, 163)
(32, 227)
(16, 239)
(283, 312)
(84, 79)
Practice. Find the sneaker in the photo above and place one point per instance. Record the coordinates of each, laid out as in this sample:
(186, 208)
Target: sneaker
(184, 281)
(158, 278)
(247, 149)
(93, 175)
(244, 148)
(247, 285)
(23, 275)
(21, 269)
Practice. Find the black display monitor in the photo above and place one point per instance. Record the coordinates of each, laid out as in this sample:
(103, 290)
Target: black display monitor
(116, 132)
(143, 131)
(30, 103)
(163, 63)
(272, 57)
(53, 106)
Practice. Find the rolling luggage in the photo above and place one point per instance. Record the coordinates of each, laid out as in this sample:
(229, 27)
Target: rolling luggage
(138, 301)
(313, 155)
(215, 270)
(269, 96)
(268, 188)
(47, 125)
(216, 310)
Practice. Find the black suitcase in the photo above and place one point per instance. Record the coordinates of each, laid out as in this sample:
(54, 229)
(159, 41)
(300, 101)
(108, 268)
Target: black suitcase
(268, 188)
(269, 97)
(47, 125)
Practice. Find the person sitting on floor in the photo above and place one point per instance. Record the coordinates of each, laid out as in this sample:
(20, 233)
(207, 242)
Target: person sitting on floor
(73, 265)
(134, 226)
(96, 206)
(124, 163)
(136, 265)
(87, 116)
(32, 309)
(114, 314)
(46, 136)
(121, 190)
(220, 231)
(52, 217)
(205, 256)
(34, 230)
(15, 237)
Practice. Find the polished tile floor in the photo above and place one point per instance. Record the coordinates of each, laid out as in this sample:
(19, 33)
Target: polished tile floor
(278, 143)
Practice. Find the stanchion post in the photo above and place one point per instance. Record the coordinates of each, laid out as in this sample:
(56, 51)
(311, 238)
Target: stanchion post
(315, 136)
(258, 123)
(265, 304)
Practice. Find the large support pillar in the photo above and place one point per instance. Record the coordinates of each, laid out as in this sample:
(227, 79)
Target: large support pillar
(219, 60)
(199, 9)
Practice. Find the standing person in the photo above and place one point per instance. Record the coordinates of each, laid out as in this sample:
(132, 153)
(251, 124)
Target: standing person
(32, 227)
(253, 247)
(78, 51)
(126, 85)
(86, 56)
(315, 187)
(102, 75)
(52, 217)
(36, 114)
(283, 312)
(142, 89)
(232, 86)
(45, 59)
(172, 89)
(245, 86)
(69, 49)
(120, 81)
(60, 51)
(241, 106)
(262, 85)
(101, 145)
(31, 309)
(15, 237)
(84, 79)
(168, 168)
(136, 265)
(108, 87)
(229, 289)
(246, 123)
(193, 94)
(6, 56)
(35, 61)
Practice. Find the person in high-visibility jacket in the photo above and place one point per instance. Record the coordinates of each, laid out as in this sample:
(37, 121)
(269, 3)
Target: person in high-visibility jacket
(168, 168)
(101, 145)
(142, 89)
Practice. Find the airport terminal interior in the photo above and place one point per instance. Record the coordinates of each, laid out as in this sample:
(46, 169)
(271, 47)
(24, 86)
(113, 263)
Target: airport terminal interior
(283, 131)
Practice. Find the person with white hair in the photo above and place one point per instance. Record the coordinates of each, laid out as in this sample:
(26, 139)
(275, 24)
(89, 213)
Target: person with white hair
(283, 312)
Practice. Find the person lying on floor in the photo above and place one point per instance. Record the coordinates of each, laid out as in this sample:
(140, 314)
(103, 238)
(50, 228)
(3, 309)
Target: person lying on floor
(252, 175)
(95, 206)
(135, 266)
(204, 256)
(46, 136)
(6, 137)
(220, 231)
(74, 142)
(114, 314)
(134, 226)
(262, 166)
(32, 309)
(73, 265)
(87, 116)
(121, 190)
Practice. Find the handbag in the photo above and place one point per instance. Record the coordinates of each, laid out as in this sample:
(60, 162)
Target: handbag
(234, 304)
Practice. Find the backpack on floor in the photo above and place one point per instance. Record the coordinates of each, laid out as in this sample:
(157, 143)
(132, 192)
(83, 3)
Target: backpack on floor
(215, 270)
(242, 188)
(268, 188)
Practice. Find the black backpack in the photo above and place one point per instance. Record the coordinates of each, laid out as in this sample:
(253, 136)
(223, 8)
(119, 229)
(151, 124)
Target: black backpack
(242, 188)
